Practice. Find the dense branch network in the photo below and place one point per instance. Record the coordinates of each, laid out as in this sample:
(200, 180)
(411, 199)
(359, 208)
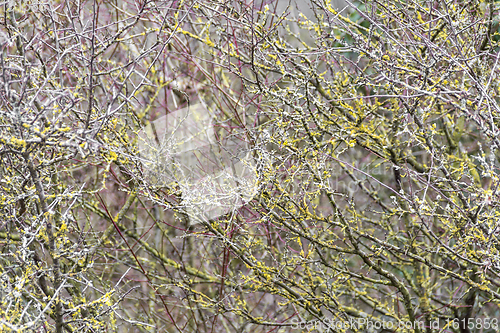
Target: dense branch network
(371, 132)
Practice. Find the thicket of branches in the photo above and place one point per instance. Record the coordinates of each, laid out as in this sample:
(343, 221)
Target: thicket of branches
(374, 138)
